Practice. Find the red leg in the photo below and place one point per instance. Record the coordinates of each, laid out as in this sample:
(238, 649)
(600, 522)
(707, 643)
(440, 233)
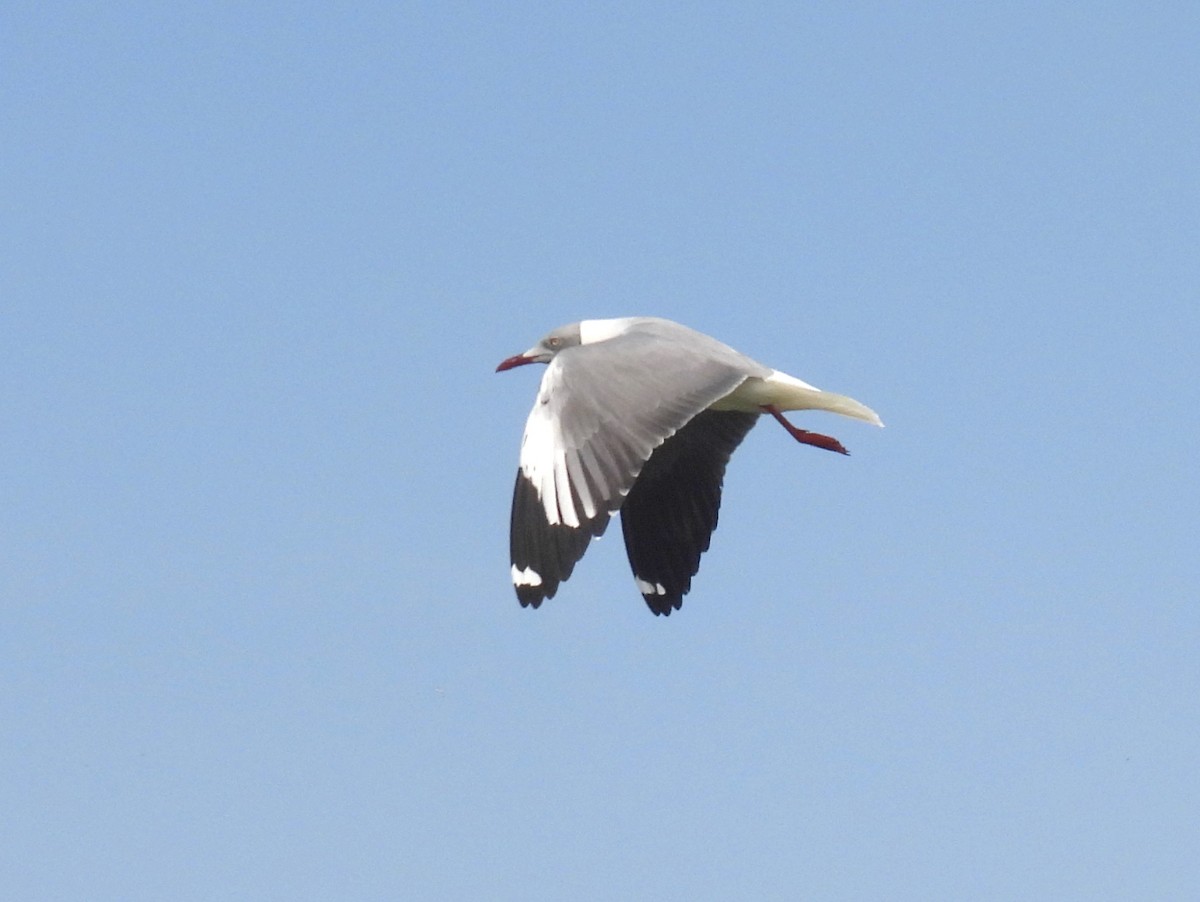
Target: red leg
(803, 435)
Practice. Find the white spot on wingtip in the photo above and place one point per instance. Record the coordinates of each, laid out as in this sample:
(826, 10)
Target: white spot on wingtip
(647, 588)
(526, 577)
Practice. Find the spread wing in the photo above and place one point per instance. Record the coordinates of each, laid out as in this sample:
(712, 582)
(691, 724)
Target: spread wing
(671, 511)
(601, 411)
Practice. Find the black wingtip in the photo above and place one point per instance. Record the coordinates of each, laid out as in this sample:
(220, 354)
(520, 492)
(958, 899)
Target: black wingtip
(663, 605)
(530, 601)
(544, 554)
(671, 512)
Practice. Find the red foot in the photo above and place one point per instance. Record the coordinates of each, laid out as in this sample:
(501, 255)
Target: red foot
(803, 435)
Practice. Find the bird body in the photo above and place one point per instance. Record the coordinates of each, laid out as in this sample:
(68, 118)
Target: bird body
(640, 415)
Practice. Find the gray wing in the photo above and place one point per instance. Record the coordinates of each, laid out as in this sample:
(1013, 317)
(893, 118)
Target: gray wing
(671, 511)
(601, 411)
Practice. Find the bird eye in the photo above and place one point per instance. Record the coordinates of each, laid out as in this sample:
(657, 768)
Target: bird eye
(554, 342)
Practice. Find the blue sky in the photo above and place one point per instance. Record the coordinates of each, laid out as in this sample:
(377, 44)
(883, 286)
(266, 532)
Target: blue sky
(257, 639)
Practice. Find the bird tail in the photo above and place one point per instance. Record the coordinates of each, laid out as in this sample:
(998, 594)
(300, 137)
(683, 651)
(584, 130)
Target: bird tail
(786, 392)
(789, 393)
(835, 403)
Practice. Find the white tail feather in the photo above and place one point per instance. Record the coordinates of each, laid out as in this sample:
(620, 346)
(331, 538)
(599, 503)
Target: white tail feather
(789, 393)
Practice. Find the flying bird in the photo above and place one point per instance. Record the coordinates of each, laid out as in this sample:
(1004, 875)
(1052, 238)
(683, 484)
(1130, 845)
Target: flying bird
(640, 415)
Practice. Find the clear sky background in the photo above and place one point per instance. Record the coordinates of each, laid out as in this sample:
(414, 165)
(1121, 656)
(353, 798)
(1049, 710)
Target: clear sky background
(257, 265)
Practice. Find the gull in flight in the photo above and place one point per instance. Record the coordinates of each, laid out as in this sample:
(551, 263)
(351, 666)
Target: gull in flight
(640, 415)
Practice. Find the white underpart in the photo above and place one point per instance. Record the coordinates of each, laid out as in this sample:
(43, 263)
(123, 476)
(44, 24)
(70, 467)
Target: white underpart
(649, 588)
(526, 577)
(593, 330)
(789, 393)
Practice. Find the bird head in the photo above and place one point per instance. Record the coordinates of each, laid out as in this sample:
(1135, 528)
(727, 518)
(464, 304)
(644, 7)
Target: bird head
(545, 350)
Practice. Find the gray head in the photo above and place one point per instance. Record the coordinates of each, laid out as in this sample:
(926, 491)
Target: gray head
(544, 351)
